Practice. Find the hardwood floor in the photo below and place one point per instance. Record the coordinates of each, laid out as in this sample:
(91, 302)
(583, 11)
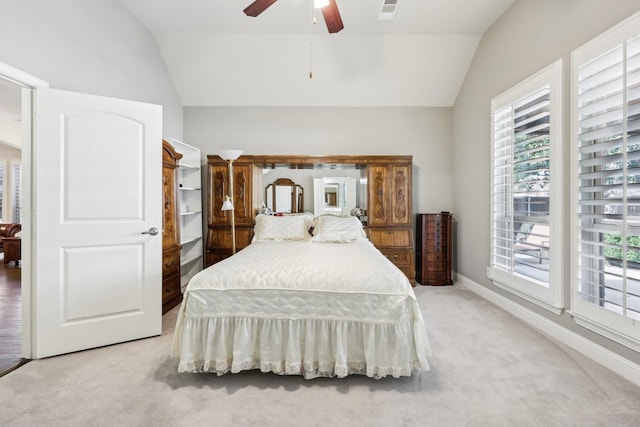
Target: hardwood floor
(10, 318)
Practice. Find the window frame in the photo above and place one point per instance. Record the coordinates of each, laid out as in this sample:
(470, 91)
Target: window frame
(551, 296)
(622, 329)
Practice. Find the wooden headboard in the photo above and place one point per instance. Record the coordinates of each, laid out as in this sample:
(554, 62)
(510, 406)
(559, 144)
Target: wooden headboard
(387, 200)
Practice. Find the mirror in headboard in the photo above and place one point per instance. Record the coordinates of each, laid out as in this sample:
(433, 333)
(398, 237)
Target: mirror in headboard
(284, 195)
(335, 195)
(304, 173)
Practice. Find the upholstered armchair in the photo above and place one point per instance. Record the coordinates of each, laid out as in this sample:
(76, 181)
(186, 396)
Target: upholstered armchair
(8, 230)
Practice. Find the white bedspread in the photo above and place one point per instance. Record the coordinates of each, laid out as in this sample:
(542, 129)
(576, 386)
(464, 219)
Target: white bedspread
(302, 307)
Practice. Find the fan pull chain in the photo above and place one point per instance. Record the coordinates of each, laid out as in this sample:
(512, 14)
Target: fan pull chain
(310, 58)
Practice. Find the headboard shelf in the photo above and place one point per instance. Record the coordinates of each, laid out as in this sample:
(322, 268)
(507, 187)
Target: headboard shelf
(314, 161)
(384, 193)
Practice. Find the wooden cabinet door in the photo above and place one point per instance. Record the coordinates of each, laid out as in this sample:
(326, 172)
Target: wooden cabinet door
(389, 195)
(392, 238)
(219, 189)
(242, 200)
(379, 199)
(170, 227)
(170, 231)
(400, 193)
(171, 295)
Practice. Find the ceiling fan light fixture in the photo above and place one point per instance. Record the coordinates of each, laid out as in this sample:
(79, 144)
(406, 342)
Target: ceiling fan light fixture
(329, 10)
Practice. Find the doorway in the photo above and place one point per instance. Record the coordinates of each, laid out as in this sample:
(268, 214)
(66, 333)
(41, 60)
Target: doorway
(10, 214)
(73, 247)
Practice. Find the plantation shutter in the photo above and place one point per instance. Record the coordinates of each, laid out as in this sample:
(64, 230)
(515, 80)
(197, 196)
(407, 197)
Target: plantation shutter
(608, 208)
(502, 177)
(521, 184)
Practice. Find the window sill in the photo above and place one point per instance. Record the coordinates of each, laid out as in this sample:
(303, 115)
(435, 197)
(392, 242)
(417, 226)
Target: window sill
(607, 332)
(521, 288)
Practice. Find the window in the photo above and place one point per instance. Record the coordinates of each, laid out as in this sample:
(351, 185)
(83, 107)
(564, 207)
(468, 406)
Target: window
(10, 189)
(606, 217)
(525, 199)
(1, 192)
(16, 193)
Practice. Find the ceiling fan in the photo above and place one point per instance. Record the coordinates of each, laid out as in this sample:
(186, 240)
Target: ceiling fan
(329, 12)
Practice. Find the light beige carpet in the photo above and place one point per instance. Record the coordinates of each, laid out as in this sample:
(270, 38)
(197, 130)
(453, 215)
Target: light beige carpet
(488, 369)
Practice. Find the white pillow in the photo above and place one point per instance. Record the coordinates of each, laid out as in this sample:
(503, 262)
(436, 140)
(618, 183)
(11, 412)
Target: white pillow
(288, 227)
(340, 229)
(308, 219)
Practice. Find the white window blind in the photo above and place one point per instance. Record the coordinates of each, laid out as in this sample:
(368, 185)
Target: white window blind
(521, 186)
(606, 286)
(16, 193)
(2, 198)
(522, 193)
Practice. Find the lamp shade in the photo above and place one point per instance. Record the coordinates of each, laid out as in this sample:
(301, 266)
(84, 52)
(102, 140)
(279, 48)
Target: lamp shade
(227, 205)
(229, 154)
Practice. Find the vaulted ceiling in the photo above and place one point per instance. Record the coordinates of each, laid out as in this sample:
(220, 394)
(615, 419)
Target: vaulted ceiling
(218, 56)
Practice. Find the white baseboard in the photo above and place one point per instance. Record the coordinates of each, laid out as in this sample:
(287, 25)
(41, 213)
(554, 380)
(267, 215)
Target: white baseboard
(607, 358)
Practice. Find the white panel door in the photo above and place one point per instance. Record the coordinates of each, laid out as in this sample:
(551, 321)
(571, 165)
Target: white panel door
(97, 186)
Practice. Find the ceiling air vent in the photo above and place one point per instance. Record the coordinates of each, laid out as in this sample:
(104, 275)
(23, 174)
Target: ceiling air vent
(388, 10)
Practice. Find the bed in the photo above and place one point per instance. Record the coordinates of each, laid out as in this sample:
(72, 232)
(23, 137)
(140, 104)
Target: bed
(322, 305)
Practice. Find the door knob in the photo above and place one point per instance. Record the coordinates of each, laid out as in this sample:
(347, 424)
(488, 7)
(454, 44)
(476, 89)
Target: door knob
(153, 231)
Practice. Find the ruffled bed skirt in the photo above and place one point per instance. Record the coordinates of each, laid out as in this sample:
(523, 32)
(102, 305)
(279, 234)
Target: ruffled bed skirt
(311, 348)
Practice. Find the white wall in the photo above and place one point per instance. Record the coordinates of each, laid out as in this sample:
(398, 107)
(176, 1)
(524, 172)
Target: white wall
(424, 133)
(528, 37)
(94, 46)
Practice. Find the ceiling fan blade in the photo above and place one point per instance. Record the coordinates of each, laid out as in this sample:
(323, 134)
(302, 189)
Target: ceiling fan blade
(257, 7)
(332, 17)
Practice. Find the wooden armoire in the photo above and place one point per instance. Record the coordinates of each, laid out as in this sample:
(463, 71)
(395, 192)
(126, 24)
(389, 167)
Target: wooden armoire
(219, 221)
(434, 242)
(389, 213)
(171, 294)
(388, 201)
